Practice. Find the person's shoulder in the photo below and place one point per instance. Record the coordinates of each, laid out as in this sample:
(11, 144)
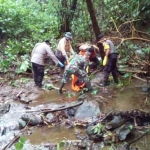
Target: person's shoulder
(108, 41)
(62, 39)
(38, 44)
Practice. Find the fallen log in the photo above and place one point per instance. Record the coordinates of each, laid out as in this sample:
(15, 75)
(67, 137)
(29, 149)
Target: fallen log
(11, 142)
(63, 107)
(98, 120)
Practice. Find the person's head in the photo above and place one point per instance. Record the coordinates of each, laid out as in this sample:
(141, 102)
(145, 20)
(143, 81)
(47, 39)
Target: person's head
(48, 42)
(87, 55)
(91, 49)
(101, 37)
(68, 36)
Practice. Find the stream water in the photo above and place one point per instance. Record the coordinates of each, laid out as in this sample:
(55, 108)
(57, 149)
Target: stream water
(128, 98)
(117, 99)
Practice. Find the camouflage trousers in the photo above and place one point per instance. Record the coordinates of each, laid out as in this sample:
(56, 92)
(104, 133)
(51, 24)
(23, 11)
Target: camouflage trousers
(72, 69)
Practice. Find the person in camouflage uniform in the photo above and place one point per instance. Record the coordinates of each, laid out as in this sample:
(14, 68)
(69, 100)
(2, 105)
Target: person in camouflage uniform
(77, 66)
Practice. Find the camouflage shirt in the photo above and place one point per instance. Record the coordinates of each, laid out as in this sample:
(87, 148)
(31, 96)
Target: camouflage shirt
(77, 66)
(78, 61)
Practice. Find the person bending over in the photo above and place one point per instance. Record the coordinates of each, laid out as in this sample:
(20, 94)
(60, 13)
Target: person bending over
(77, 66)
(38, 55)
(64, 48)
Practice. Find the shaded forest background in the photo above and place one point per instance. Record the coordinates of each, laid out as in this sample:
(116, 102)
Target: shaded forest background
(24, 23)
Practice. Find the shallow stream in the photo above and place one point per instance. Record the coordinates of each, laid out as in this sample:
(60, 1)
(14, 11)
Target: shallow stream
(127, 98)
(116, 99)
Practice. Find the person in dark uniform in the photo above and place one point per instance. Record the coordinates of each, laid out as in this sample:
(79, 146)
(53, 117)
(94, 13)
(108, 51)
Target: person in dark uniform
(110, 60)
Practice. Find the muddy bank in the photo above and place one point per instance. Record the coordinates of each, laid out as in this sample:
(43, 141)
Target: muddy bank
(24, 96)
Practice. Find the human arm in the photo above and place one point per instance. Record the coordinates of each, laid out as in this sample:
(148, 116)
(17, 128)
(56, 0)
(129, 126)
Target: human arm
(71, 49)
(61, 64)
(51, 55)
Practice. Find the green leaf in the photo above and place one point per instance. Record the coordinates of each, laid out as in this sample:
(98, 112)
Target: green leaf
(18, 146)
(49, 86)
(94, 92)
(62, 143)
(130, 127)
(24, 66)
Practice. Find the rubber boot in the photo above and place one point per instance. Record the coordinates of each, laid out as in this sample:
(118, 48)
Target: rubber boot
(88, 85)
(61, 86)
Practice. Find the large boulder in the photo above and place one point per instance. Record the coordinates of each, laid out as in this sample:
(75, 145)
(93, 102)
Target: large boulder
(89, 110)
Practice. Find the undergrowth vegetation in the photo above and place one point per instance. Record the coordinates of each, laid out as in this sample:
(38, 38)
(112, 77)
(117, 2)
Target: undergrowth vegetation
(24, 23)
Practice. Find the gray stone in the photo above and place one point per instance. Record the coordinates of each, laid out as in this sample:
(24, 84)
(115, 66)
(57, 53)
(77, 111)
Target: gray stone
(87, 111)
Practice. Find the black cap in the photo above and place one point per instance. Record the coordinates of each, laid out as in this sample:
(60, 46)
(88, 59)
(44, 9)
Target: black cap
(100, 36)
(91, 49)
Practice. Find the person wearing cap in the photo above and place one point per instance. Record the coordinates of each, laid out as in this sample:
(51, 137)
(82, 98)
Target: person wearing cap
(93, 57)
(38, 55)
(110, 60)
(64, 48)
(77, 67)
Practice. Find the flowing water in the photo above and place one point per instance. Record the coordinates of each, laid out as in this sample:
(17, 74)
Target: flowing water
(117, 99)
(128, 98)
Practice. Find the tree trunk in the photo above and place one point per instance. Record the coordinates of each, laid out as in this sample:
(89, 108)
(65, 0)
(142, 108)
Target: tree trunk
(68, 17)
(96, 28)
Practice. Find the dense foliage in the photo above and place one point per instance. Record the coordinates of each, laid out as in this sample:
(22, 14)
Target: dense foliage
(23, 23)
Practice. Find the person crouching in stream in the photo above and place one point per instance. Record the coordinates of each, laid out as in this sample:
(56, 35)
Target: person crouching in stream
(77, 66)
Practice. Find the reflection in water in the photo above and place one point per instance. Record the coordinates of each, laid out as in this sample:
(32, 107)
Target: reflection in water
(52, 135)
(130, 98)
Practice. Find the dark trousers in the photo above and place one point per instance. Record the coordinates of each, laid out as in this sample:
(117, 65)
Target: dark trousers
(95, 61)
(60, 57)
(111, 68)
(38, 74)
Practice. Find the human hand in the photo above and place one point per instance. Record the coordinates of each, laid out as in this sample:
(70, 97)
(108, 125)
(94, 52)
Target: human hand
(66, 57)
(61, 64)
(105, 60)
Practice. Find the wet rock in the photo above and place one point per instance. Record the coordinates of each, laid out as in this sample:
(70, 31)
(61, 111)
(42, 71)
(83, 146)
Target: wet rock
(98, 78)
(25, 101)
(4, 108)
(67, 123)
(87, 111)
(6, 139)
(32, 119)
(71, 112)
(22, 124)
(10, 126)
(122, 132)
(93, 135)
(90, 130)
(117, 121)
(50, 117)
